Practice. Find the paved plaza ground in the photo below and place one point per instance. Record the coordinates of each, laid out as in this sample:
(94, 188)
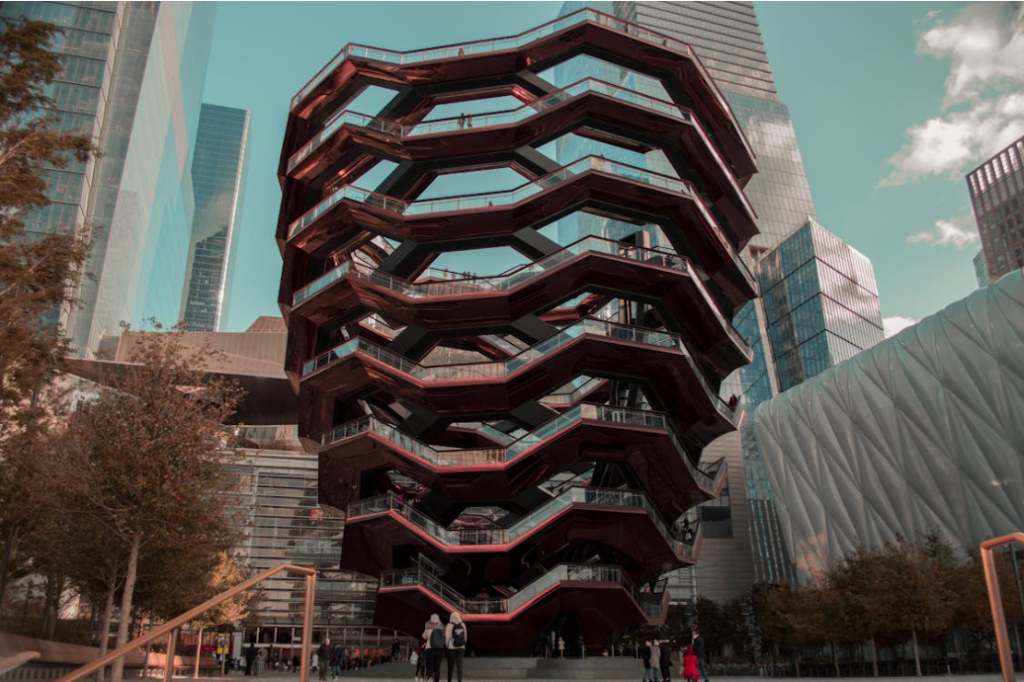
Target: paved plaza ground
(353, 677)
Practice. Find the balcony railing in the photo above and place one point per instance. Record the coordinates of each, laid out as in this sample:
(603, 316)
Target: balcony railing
(490, 120)
(587, 326)
(519, 447)
(444, 283)
(466, 537)
(577, 573)
(514, 196)
(513, 43)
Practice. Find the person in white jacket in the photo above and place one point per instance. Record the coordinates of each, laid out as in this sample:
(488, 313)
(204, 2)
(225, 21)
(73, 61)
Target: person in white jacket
(433, 640)
(455, 637)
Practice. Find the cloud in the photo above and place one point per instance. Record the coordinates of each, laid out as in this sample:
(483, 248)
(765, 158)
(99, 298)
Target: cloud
(958, 232)
(985, 44)
(949, 145)
(895, 324)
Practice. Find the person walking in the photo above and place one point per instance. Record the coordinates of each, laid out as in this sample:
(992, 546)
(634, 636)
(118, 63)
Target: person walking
(666, 662)
(689, 671)
(335, 661)
(250, 658)
(645, 656)
(698, 651)
(655, 661)
(433, 639)
(396, 650)
(419, 659)
(455, 637)
(323, 655)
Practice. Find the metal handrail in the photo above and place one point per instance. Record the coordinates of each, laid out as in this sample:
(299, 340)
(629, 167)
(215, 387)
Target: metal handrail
(519, 41)
(462, 537)
(9, 663)
(443, 283)
(171, 627)
(995, 600)
(710, 478)
(492, 119)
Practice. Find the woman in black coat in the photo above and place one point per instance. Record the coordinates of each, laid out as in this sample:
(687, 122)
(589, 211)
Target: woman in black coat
(666, 662)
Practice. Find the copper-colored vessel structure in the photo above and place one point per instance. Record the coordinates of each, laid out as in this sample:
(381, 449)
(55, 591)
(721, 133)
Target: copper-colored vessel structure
(523, 448)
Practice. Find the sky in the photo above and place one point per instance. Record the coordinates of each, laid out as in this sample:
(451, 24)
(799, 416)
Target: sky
(892, 104)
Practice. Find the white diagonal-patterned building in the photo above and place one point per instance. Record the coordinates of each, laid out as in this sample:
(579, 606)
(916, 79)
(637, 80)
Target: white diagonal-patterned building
(924, 432)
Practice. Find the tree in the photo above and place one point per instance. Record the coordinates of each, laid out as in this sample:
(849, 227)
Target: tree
(36, 274)
(146, 461)
(835, 624)
(677, 627)
(860, 582)
(972, 613)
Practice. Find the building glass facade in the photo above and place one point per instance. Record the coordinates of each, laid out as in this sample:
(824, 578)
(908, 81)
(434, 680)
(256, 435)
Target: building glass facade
(997, 195)
(133, 80)
(218, 179)
(820, 302)
(91, 34)
(285, 524)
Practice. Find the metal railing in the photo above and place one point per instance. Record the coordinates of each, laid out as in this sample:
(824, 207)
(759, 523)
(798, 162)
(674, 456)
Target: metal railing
(513, 196)
(587, 326)
(171, 627)
(581, 573)
(512, 43)
(434, 283)
(470, 537)
(995, 600)
(519, 447)
(493, 119)
(488, 370)
(496, 119)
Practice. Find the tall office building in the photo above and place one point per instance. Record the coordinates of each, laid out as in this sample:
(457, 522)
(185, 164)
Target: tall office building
(997, 195)
(133, 80)
(820, 302)
(743, 536)
(218, 180)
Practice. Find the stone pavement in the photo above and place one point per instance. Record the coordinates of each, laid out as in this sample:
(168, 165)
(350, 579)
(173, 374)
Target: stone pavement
(400, 668)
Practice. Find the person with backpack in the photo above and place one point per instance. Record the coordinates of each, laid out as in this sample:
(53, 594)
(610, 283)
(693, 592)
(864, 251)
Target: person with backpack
(433, 639)
(455, 639)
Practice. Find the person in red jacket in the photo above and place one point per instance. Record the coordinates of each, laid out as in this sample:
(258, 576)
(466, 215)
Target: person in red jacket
(690, 665)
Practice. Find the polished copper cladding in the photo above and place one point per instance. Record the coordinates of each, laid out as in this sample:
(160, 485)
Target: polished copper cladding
(523, 448)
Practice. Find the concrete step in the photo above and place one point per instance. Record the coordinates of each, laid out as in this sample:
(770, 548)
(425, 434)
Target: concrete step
(591, 663)
(592, 669)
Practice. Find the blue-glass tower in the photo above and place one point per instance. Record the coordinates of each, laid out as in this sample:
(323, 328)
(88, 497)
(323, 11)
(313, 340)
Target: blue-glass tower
(218, 180)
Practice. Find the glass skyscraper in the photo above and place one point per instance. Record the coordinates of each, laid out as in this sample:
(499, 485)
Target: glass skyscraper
(820, 302)
(218, 179)
(743, 537)
(133, 80)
